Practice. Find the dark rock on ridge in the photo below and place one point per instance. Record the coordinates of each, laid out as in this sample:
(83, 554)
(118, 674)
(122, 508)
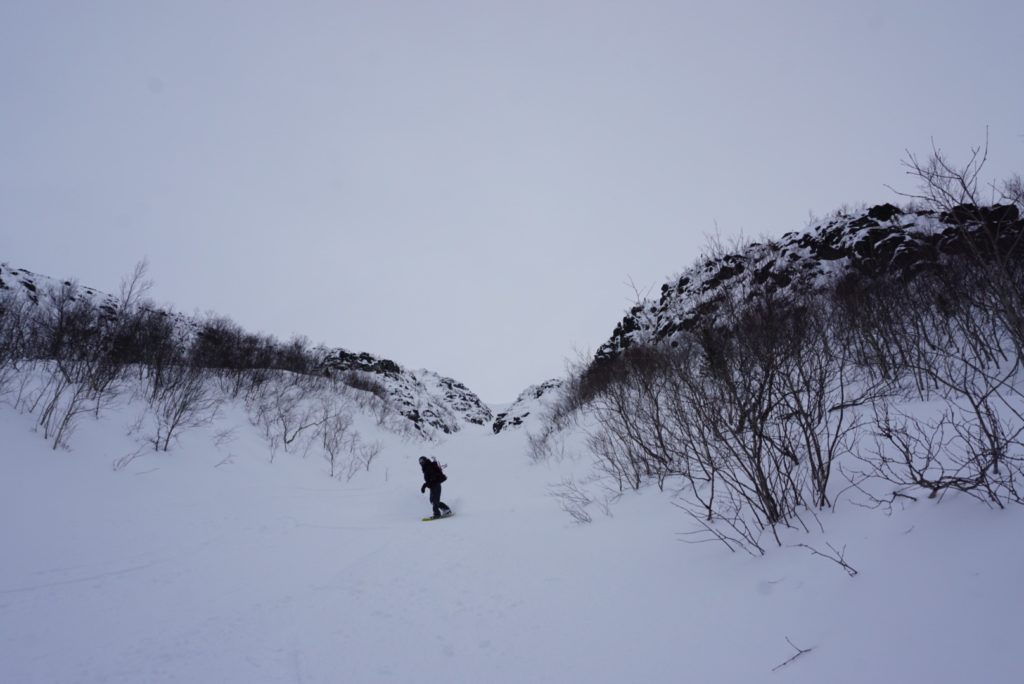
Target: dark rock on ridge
(881, 240)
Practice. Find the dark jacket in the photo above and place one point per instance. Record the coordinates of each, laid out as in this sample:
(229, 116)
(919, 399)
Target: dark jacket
(432, 474)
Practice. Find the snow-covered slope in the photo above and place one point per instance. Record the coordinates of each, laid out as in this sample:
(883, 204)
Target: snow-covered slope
(881, 239)
(433, 403)
(531, 401)
(213, 564)
(34, 286)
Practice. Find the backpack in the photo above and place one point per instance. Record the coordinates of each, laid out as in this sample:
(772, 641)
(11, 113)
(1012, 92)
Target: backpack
(440, 470)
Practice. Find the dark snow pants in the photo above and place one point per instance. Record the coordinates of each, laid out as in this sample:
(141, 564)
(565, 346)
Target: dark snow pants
(435, 500)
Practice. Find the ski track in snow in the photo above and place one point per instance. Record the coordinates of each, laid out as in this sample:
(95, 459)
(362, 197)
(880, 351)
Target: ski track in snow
(263, 572)
(90, 578)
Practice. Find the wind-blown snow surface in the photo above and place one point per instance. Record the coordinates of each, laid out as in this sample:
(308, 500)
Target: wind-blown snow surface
(211, 564)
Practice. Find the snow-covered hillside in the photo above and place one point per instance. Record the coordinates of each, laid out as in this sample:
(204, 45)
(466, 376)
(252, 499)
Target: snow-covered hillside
(210, 563)
(39, 289)
(879, 240)
(433, 403)
(33, 286)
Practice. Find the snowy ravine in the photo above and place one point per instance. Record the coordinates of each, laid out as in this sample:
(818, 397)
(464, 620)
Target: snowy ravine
(211, 564)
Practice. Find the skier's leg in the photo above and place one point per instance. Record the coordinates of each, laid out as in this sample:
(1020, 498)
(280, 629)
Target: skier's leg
(435, 499)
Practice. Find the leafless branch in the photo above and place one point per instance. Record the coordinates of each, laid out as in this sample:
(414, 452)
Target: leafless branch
(837, 556)
(799, 652)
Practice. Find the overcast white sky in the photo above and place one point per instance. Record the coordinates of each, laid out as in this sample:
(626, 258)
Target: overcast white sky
(466, 186)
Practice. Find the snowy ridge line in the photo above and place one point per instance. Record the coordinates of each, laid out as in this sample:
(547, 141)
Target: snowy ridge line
(31, 285)
(880, 240)
(35, 286)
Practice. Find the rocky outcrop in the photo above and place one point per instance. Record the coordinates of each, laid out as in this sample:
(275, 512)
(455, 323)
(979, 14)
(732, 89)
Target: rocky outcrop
(456, 397)
(342, 360)
(530, 401)
(431, 401)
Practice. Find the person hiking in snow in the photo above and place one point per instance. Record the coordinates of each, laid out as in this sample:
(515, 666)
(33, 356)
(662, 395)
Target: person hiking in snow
(433, 476)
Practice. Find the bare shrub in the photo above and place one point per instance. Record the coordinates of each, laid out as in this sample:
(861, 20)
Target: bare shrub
(964, 359)
(546, 444)
(298, 413)
(750, 414)
(364, 382)
(333, 430)
(361, 455)
(573, 499)
(942, 183)
(184, 400)
(13, 324)
(991, 236)
(286, 413)
(123, 462)
(944, 452)
(370, 395)
(82, 377)
(743, 384)
(821, 390)
(342, 446)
